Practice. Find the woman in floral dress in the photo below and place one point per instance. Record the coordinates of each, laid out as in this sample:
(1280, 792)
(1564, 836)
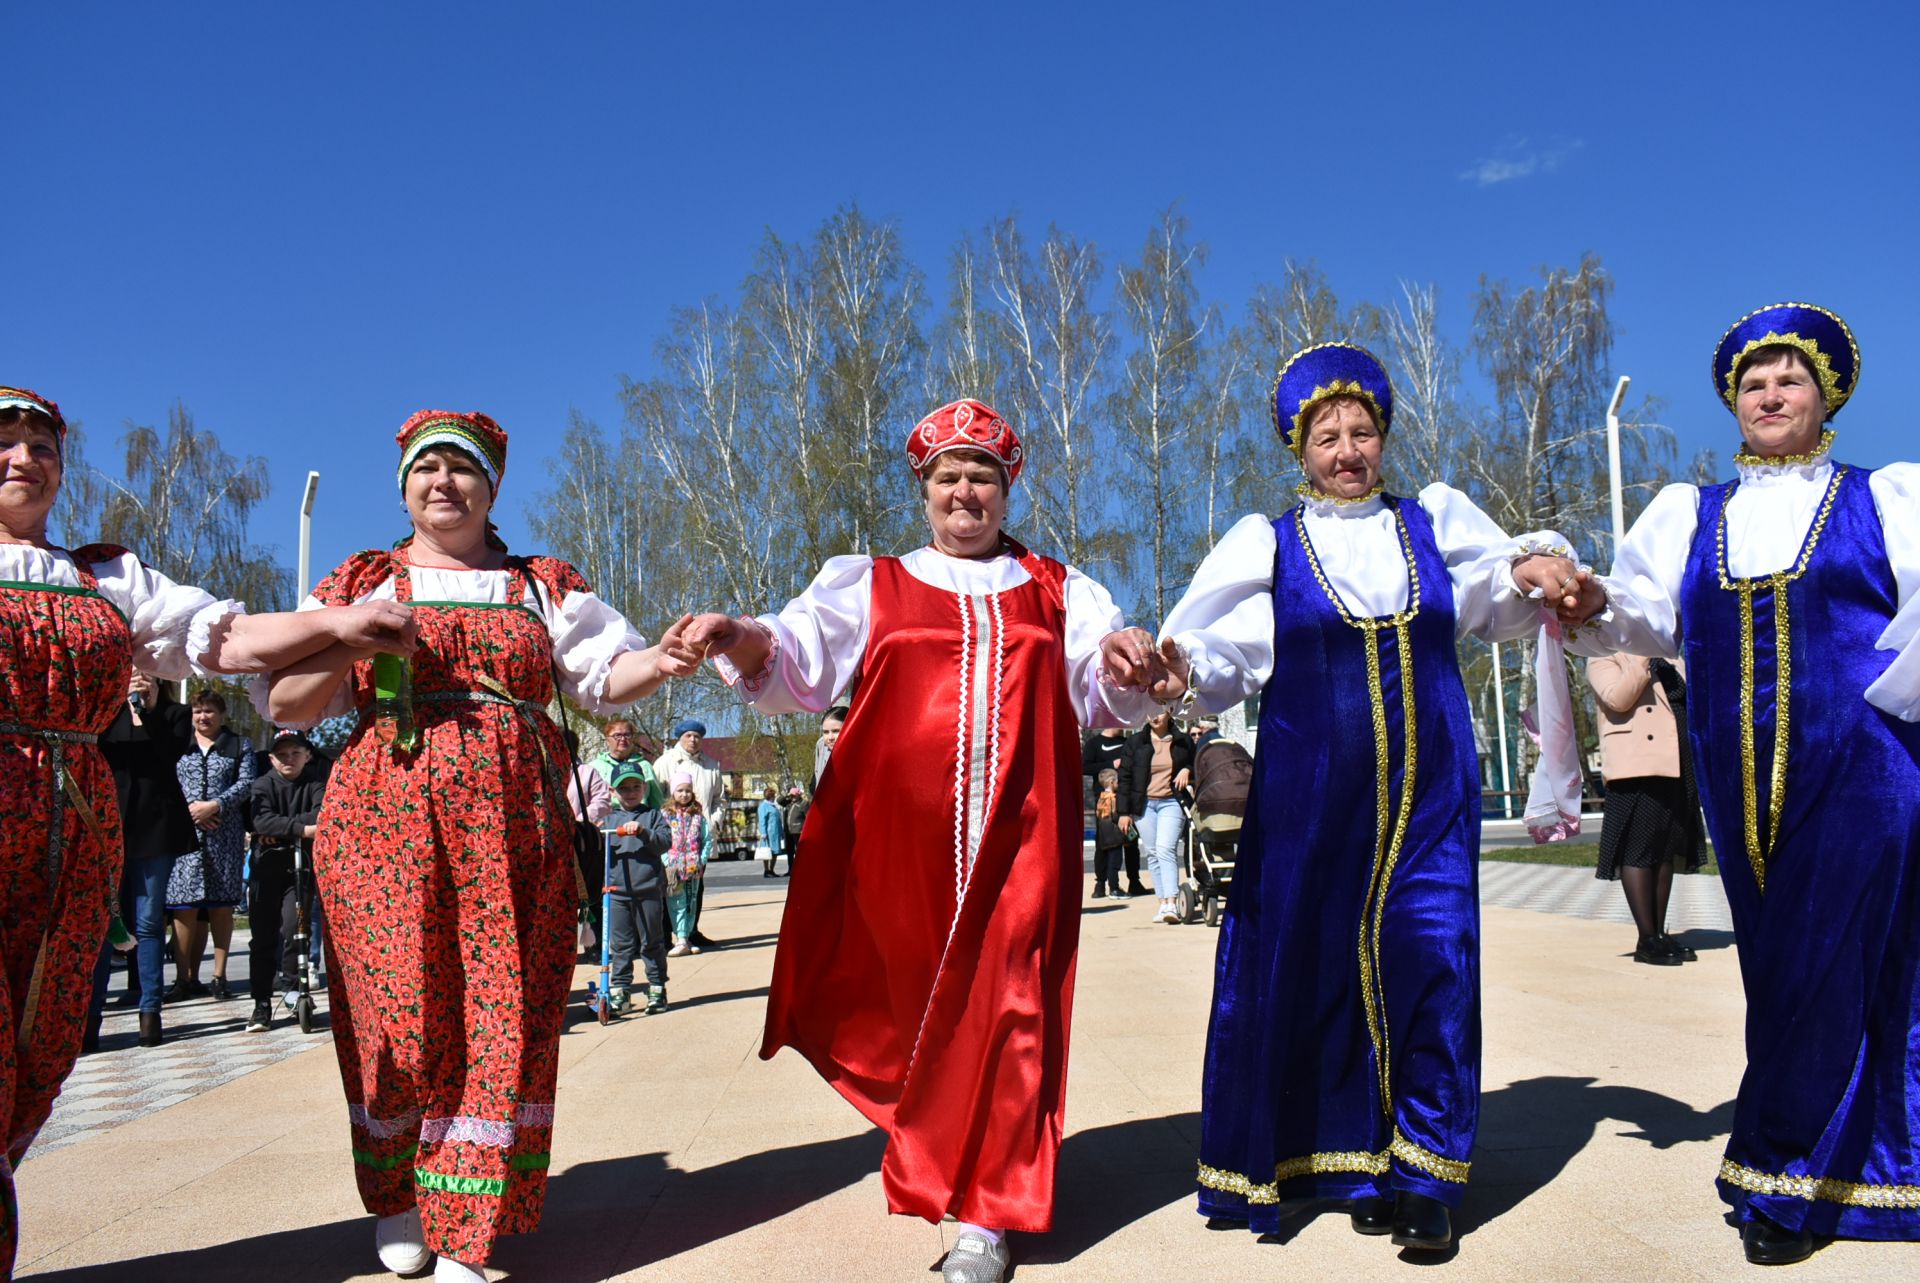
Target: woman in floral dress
(445, 857)
(216, 775)
(72, 627)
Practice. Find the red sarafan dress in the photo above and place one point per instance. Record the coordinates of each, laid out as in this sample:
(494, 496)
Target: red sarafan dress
(66, 653)
(926, 956)
(447, 874)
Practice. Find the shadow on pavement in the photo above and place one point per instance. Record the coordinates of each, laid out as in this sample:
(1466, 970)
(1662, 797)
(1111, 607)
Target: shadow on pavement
(600, 1221)
(1703, 938)
(1531, 1130)
(1111, 1177)
(623, 1214)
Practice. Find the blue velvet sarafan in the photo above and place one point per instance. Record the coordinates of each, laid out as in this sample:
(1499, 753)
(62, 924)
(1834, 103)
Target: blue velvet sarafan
(1343, 1055)
(1819, 851)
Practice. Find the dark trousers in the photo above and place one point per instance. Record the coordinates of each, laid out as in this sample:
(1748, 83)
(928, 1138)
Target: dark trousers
(143, 910)
(273, 958)
(1106, 867)
(638, 925)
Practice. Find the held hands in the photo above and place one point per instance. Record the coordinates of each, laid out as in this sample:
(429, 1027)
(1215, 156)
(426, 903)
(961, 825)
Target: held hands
(676, 657)
(1572, 592)
(1131, 660)
(712, 634)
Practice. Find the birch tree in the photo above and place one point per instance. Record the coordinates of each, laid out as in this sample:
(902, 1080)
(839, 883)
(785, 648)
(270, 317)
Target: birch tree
(1159, 397)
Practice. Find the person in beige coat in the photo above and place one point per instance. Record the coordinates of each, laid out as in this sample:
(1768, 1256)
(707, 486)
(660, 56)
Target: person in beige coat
(1653, 808)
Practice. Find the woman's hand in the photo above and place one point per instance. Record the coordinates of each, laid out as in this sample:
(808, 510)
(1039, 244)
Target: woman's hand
(206, 815)
(374, 625)
(1572, 592)
(712, 634)
(1129, 659)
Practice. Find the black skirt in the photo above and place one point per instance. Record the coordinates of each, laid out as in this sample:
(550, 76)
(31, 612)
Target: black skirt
(1650, 820)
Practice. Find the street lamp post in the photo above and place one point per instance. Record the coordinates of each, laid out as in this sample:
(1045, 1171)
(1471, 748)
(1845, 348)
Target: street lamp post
(1500, 729)
(1613, 461)
(306, 533)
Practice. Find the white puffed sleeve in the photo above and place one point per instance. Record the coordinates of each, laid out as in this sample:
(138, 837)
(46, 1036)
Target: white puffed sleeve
(1642, 614)
(818, 640)
(588, 635)
(1486, 602)
(1224, 622)
(1091, 616)
(1896, 496)
(172, 624)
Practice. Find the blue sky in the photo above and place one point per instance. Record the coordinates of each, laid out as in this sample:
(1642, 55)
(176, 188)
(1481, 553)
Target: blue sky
(307, 221)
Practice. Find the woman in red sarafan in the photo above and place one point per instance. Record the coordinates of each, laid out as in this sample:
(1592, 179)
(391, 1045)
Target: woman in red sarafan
(72, 627)
(926, 958)
(444, 855)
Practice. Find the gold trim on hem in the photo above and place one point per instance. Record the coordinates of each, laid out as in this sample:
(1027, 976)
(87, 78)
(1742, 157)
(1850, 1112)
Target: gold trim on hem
(1822, 1188)
(1357, 1162)
(1306, 490)
(1776, 583)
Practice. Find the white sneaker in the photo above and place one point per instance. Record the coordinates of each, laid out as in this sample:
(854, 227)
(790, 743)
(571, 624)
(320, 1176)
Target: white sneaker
(448, 1270)
(401, 1243)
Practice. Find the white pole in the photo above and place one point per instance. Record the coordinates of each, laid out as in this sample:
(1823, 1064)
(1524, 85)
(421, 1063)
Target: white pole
(1613, 461)
(1500, 724)
(306, 534)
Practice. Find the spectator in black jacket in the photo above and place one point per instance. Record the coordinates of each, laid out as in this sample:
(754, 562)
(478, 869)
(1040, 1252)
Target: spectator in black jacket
(286, 809)
(150, 734)
(1100, 753)
(1156, 765)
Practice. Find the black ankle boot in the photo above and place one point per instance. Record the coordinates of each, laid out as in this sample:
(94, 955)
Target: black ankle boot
(1371, 1215)
(149, 1029)
(1421, 1223)
(1769, 1243)
(1653, 951)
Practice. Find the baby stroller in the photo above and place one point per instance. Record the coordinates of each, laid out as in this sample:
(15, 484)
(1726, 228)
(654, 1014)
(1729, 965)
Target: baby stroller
(1222, 778)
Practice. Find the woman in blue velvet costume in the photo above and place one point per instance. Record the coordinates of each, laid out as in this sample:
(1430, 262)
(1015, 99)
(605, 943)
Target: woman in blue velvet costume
(1792, 590)
(1343, 1057)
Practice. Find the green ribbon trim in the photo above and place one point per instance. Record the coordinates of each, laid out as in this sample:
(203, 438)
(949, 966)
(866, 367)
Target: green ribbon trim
(379, 1164)
(531, 1162)
(458, 1184)
(19, 585)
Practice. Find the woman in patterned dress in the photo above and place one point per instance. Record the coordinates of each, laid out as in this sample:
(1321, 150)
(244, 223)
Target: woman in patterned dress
(940, 907)
(445, 853)
(1794, 593)
(1332, 1073)
(72, 627)
(216, 775)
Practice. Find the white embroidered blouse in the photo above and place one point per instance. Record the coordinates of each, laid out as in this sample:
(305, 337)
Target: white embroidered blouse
(821, 635)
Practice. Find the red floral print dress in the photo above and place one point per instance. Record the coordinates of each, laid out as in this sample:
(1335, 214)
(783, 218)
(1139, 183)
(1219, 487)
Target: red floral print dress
(447, 873)
(65, 657)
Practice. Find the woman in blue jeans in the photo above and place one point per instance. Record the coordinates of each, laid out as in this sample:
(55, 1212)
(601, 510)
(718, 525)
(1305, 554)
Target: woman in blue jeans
(1156, 765)
(148, 737)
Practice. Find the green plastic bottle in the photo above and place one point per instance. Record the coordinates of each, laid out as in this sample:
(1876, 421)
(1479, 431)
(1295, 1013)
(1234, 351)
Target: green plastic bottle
(393, 701)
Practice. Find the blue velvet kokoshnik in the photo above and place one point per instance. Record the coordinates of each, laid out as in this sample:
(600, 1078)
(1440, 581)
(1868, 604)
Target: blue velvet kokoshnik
(1343, 1055)
(1819, 851)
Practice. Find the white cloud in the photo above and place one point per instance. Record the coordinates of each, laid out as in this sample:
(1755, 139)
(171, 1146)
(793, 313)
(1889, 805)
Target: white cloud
(1516, 159)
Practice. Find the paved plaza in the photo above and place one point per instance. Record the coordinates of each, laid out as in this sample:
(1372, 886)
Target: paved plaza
(679, 1155)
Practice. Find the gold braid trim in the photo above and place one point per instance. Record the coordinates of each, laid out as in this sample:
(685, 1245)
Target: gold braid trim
(1307, 490)
(1822, 1188)
(1387, 842)
(1816, 455)
(1450, 1170)
(1776, 583)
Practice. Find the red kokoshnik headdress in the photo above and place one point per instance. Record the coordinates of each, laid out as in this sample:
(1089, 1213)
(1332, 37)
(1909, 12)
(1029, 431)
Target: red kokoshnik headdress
(965, 424)
(473, 434)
